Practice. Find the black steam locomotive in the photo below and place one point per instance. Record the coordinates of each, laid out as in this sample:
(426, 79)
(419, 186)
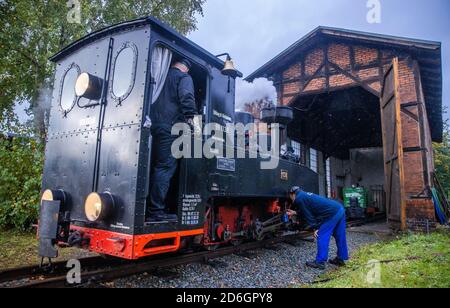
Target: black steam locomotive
(98, 156)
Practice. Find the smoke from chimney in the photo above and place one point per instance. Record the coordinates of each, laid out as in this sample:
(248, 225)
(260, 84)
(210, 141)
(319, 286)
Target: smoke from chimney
(41, 109)
(250, 92)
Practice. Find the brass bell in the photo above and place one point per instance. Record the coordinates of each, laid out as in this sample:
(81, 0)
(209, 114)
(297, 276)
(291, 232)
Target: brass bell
(229, 69)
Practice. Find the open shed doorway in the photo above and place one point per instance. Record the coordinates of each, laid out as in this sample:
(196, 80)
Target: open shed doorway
(345, 127)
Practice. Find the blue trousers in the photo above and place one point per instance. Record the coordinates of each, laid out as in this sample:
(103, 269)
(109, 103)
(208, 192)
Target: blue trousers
(335, 227)
(164, 168)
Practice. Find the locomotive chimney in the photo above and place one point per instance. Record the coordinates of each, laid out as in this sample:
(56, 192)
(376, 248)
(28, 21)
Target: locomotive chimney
(278, 115)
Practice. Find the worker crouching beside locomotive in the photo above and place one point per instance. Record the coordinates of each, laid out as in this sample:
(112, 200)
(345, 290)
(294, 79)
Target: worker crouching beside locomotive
(175, 104)
(327, 218)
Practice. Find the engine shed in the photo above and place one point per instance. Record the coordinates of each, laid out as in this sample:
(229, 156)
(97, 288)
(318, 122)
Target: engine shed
(367, 109)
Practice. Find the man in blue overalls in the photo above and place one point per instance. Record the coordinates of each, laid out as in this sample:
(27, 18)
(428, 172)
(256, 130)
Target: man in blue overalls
(327, 218)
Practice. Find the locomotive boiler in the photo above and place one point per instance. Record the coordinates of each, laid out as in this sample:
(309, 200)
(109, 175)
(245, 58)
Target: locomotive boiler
(98, 158)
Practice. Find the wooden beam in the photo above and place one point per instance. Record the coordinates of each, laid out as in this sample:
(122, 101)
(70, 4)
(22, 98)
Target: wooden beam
(300, 78)
(303, 76)
(410, 104)
(410, 114)
(380, 65)
(356, 79)
(327, 67)
(281, 90)
(352, 58)
(314, 76)
(383, 132)
(398, 124)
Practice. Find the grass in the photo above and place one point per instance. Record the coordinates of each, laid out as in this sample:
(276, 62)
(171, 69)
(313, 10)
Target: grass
(19, 249)
(410, 261)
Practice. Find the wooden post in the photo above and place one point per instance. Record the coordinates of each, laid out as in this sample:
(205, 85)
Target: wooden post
(398, 123)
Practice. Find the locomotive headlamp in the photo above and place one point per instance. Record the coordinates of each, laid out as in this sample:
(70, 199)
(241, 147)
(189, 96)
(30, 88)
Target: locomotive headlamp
(53, 195)
(99, 206)
(47, 195)
(89, 86)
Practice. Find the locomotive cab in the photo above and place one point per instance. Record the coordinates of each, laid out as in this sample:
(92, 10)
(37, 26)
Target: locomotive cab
(200, 78)
(98, 161)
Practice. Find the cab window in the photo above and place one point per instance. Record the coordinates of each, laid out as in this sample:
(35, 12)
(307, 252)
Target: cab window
(67, 94)
(124, 72)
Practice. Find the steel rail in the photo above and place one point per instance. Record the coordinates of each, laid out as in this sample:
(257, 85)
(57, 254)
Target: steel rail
(29, 272)
(111, 270)
(364, 221)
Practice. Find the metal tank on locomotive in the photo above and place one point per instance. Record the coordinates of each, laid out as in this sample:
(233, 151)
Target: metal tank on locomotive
(98, 156)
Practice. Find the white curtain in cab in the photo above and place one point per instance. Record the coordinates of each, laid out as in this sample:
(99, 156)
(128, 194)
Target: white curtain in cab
(161, 59)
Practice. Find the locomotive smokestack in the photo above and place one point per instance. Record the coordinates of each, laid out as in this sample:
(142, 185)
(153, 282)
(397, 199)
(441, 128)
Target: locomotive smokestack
(278, 115)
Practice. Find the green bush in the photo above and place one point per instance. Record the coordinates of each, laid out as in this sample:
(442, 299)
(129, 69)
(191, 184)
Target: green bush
(21, 162)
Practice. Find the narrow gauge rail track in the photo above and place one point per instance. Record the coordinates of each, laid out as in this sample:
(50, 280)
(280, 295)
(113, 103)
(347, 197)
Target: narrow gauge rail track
(359, 222)
(97, 269)
(36, 272)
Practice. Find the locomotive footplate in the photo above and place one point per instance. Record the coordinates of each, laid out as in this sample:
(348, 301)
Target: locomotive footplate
(48, 228)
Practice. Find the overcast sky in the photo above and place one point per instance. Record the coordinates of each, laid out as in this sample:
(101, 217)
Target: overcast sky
(255, 31)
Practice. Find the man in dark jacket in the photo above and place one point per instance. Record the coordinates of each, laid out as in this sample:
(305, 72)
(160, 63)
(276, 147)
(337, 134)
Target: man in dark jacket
(327, 218)
(176, 104)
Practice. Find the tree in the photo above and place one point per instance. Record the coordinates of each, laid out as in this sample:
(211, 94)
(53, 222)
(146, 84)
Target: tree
(442, 159)
(32, 31)
(21, 161)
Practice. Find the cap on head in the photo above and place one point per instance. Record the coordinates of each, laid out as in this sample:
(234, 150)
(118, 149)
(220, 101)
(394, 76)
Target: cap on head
(186, 63)
(294, 190)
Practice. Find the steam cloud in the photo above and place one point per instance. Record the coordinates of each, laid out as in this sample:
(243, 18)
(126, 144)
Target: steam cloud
(41, 107)
(249, 92)
(44, 100)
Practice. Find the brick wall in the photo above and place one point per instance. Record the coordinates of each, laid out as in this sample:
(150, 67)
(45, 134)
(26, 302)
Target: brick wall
(420, 215)
(414, 181)
(309, 74)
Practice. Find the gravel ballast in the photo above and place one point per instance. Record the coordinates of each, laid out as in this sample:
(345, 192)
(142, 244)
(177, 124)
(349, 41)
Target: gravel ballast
(280, 267)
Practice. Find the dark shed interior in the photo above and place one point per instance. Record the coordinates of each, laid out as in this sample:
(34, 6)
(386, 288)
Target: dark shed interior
(336, 122)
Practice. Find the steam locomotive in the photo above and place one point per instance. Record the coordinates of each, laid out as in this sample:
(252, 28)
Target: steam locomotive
(98, 156)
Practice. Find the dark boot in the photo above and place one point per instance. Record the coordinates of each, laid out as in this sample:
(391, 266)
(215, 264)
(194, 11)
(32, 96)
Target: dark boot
(316, 265)
(337, 262)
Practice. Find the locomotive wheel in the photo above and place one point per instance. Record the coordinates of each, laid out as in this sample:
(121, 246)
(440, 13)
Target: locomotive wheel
(258, 231)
